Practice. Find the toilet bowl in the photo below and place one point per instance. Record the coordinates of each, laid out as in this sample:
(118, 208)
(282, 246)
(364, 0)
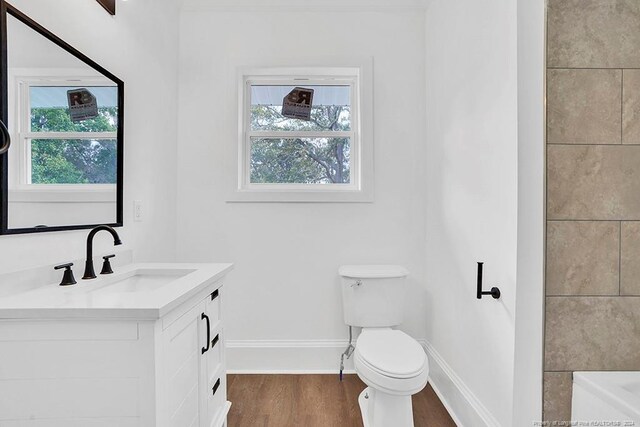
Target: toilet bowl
(394, 366)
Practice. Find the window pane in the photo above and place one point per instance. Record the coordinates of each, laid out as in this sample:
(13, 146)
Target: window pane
(330, 110)
(50, 110)
(300, 160)
(73, 161)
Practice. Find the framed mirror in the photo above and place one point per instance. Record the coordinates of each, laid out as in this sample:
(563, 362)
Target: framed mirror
(64, 115)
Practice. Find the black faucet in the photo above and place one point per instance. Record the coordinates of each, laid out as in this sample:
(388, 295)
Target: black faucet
(89, 272)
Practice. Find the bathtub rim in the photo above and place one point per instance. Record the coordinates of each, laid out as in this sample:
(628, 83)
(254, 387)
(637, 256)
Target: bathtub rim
(608, 385)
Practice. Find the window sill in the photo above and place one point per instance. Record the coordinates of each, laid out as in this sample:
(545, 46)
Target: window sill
(307, 196)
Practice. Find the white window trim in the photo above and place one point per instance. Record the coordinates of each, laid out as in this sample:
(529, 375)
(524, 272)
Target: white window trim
(23, 188)
(361, 188)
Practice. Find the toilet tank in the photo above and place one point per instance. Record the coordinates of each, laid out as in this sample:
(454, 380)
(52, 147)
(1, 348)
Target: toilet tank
(373, 296)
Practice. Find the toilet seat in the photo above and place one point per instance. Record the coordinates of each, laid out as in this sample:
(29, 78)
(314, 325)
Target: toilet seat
(391, 353)
(391, 360)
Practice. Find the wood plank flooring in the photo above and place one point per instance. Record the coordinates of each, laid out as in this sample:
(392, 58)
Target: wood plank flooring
(314, 401)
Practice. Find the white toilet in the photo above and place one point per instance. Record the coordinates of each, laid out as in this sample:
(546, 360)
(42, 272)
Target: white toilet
(393, 365)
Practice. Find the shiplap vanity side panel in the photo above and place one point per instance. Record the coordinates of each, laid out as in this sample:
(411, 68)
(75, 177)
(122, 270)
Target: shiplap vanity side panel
(51, 377)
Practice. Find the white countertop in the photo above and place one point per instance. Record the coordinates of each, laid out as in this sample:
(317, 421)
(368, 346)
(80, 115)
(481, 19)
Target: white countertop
(94, 299)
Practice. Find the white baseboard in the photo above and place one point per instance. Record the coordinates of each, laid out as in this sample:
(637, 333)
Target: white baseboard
(461, 403)
(286, 357)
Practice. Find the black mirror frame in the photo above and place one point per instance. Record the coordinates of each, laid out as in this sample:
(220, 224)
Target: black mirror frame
(4, 200)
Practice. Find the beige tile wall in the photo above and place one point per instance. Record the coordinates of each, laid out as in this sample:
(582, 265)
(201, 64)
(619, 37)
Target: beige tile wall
(593, 193)
(573, 117)
(631, 107)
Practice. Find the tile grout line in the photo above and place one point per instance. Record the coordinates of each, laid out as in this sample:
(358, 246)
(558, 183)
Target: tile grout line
(621, 106)
(592, 68)
(621, 142)
(545, 213)
(586, 144)
(592, 220)
(592, 296)
(560, 371)
(619, 258)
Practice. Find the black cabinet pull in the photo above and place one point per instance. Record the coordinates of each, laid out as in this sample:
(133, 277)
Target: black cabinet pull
(205, 317)
(215, 340)
(214, 295)
(215, 386)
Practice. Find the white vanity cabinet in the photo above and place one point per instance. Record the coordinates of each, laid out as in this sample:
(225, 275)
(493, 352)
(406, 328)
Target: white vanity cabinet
(159, 365)
(193, 368)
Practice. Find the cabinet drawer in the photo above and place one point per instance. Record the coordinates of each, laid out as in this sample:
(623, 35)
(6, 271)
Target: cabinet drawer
(213, 303)
(206, 294)
(217, 397)
(215, 356)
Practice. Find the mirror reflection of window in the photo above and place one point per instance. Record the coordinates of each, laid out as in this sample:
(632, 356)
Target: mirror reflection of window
(62, 167)
(63, 151)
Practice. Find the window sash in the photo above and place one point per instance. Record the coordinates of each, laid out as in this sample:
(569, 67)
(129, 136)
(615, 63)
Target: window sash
(300, 134)
(300, 80)
(69, 135)
(354, 160)
(24, 85)
(350, 186)
(27, 163)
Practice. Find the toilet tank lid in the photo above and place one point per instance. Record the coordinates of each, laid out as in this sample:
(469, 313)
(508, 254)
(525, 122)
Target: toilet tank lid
(372, 271)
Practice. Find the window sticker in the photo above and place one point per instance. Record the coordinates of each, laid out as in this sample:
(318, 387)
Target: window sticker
(297, 104)
(83, 104)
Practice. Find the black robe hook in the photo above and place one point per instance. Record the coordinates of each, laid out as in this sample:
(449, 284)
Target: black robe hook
(494, 292)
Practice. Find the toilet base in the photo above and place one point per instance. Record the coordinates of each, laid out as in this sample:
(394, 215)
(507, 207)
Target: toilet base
(383, 410)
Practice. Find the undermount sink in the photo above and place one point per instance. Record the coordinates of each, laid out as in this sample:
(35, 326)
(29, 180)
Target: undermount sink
(142, 280)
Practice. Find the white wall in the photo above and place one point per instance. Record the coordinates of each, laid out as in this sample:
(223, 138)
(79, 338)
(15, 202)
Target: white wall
(527, 387)
(139, 45)
(31, 213)
(285, 284)
(472, 202)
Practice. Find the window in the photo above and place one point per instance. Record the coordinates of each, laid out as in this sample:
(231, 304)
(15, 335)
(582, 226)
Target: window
(324, 158)
(56, 150)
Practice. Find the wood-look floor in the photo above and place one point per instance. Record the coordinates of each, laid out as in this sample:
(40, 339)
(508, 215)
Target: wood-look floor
(314, 401)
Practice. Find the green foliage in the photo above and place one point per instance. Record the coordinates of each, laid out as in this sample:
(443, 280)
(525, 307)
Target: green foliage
(323, 118)
(73, 161)
(300, 160)
(59, 120)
